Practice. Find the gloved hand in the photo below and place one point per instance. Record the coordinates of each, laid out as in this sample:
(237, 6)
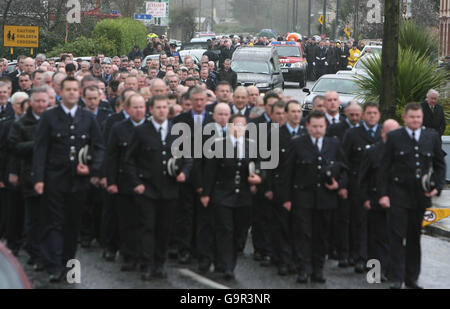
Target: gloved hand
(326, 63)
(314, 63)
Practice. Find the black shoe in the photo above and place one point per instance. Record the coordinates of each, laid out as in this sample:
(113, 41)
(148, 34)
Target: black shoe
(303, 278)
(257, 256)
(128, 266)
(266, 261)
(184, 258)
(283, 270)
(343, 263)
(159, 273)
(396, 286)
(384, 278)
(173, 254)
(413, 285)
(292, 269)
(204, 266)
(38, 267)
(318, 277)
(229, 275)
(334, 255)
(360, 267)
(109, 255)
(147, 276)
(219, 269)
(86, 243)
(351, 262)
(31, 261)
(56, 277)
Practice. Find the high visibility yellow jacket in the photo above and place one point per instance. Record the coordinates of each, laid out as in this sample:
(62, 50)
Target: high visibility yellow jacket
(355, 54)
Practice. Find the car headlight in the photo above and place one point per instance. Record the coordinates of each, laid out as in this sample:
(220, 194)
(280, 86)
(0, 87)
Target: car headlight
(297, 65)
(262, 85)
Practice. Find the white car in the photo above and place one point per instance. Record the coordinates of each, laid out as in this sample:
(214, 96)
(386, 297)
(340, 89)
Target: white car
(360, 67)
(374, 49)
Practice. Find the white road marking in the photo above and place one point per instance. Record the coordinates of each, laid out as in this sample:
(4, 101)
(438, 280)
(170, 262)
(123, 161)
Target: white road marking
(201, 279)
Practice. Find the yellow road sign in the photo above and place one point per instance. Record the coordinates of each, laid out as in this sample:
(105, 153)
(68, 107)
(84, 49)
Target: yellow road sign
(21, 36)
(433, 215)
(320, 19)
(348, 31)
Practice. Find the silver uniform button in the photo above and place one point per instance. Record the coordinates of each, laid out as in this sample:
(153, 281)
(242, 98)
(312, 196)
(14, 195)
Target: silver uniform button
(164, 173)
(164, 143)
(319, 167)
(164, 153)
(396, 179)
(164, 162)
(83, 136)
(319, 158)
(237, 191)
(418, 163)
(283, 150)
(417, 155)
(416, 148)
(367, 146)
(72, 127)
(72, 137)
(238, 172)
(402, 153)
(72, 158)
(239, 164)
(318, 185)
(125, 144)
(58, 135)
(418, 176)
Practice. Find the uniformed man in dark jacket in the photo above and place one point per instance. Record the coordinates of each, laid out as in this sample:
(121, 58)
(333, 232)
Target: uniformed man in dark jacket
(340, 230)
(283, 245)
(93, 211)
(63, 174)
(433, 113)
(12, 200)
(5, 106)
(110, 223)
(356, 142)
(377, 218)
(228, 188)
(227, 74)
(312, 176)
(156, 190)
(343, 53)
(119, 183)
(21, 137)
(195, 119)
(410, 153)
(320, 62)
(310, 51)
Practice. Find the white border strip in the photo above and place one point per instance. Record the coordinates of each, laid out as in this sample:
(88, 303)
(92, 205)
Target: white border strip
(201, 279)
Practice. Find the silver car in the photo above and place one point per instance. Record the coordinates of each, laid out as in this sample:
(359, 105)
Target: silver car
(343, 84)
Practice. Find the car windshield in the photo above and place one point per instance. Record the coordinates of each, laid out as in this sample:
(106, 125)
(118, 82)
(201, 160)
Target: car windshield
(345, 86)
(360, 64)
(288, 51)
(250, 67)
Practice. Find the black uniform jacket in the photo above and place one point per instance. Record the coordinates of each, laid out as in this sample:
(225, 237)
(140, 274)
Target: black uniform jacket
(302, 172)
(146, 162)
(57, 144)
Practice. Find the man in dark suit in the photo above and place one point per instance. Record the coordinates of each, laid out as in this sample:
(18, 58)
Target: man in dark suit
(261, 208)
(207, 79)
(196, 119)
(433, 113)
(6, 109)
(240, 102)
(333, 105)
(227, 74)
(310, 51)
(377, 217)
(109, 223)
(58, 173)
(156, 191)
(229, 186)
(320, 62)
(91, 221)
(340, 226)
(356, 142)
(21, 138)
(119, 184)
(312, 176)
(283, 246)
(223, 95)
(15, 74)
(343, 53)
(409, 154)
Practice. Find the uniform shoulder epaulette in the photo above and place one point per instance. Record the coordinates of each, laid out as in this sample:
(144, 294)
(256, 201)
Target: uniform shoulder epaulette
(296, 137)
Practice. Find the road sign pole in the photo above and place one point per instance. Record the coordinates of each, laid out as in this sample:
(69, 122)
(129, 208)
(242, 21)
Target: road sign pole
(31, 51)
(12, 51)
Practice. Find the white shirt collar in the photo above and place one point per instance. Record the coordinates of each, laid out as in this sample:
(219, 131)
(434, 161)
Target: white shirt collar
(72, 111)
(239, 140)
(164, 126)
(330, 118)
(237, 111)
(319, 143)
(416, 133)
(35, 116)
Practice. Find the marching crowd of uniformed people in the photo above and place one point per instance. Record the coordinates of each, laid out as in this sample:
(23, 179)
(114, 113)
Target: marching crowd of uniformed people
(86, 154)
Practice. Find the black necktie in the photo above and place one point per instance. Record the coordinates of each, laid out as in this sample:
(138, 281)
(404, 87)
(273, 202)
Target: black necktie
(317, 144)
(334, 120)
(414, 136)
(161, 133)
(69, 115)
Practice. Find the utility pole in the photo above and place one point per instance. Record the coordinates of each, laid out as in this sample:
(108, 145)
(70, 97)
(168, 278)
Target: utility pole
(355, 21)
(287, 15)
(212, 15)
(338, 12)
(309, 17)
(200, 16)
(389, 62)
(324, 25)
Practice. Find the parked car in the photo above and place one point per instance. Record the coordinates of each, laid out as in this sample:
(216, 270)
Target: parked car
(259, 66)
(343, 84)
(293, 64)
